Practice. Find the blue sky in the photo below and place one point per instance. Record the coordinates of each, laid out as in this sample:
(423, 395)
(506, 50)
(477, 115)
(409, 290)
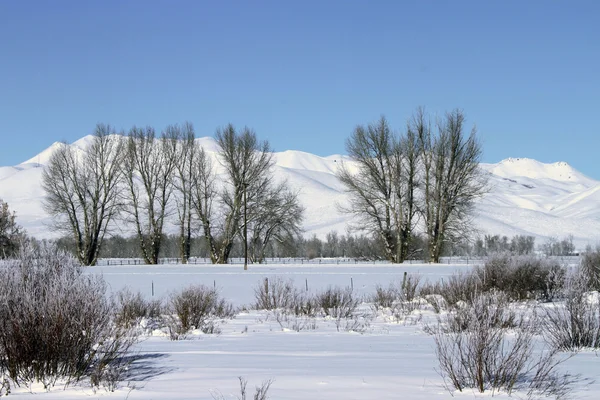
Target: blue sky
(303, 74)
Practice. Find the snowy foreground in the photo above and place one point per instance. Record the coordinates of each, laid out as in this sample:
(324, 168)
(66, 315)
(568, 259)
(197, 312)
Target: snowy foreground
(389, 360)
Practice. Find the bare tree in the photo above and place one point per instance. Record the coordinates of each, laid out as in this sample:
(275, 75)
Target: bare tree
(406, 182)
(204, 197)
(382, 190)
(245, 199)
(82, 190)
(275, 214)
(452, 179)
(11, 234)
(149, 167)
(247, 163)
(186, 152)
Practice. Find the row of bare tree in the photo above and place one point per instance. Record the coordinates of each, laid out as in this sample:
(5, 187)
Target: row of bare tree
(425, 178)
(142, 179)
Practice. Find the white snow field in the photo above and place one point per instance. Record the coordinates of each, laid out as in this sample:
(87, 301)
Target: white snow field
(526, 197)
(389, 360)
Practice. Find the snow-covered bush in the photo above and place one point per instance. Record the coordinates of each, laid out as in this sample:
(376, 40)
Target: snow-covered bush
(590, 268)
(458, 288)
(197, 307)
(492, 308)
(56, 322)
(576, 323)
(337, 302)
(384, 297)
(405, 292)
(522, 277)
(303, 304)
(475, 351)
(274, 293)
(132, 307)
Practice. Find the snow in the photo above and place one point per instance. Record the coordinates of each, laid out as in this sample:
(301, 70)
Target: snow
(390, 360)
(526, 197)
(238, 285)
(43, 157)
(528, 168)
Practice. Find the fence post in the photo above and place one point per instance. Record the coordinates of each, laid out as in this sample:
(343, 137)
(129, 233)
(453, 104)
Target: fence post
(307, 284)
(351, 283)
(153, 288)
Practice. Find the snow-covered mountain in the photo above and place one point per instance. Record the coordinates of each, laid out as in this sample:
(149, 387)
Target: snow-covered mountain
(526, 197)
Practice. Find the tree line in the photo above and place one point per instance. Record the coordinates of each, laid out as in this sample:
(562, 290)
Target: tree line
(141, 179)
(335, 245)
(424, 178)
(411, 193)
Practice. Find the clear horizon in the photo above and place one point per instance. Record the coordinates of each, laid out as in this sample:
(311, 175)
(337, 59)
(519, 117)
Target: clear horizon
(303, 75)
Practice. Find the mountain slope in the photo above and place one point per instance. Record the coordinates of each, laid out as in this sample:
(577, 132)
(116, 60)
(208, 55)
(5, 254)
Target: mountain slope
(526, 197)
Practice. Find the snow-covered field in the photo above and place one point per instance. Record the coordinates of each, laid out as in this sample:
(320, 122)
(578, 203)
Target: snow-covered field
(237, 285)
(390, 360)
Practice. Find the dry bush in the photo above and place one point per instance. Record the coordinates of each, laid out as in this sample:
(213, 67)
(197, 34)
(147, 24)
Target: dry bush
(274, 293)
(590, 268)
(294, 322)
(132, 307)
(337, 303)
(476, 353)
(261, 392)
(576, 323)
(388, 297)
(56, 323)
(457, 289)
(197, 307)
(522, 277)
(436, 301)
(359, 322)
(410, 286)
(492, 309)
(303, 304)
(384, 297)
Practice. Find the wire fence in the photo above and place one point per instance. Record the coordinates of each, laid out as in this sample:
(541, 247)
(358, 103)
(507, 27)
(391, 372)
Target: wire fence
(570, 260)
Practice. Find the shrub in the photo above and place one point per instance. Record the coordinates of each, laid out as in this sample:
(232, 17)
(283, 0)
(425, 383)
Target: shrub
(337, 302)
(197, 307)
(274, 293)
(303, 304)
(522, 277)
(590, 268)
(491, 309)
(260, 393)
(410, 284)
(56, 323)
(456, 289)
(576, 324)
(386, 297)
(476, 352)
(133, 307)
(294, 322)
